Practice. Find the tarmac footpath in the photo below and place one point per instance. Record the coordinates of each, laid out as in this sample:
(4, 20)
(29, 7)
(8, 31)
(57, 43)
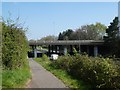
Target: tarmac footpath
(41, 78)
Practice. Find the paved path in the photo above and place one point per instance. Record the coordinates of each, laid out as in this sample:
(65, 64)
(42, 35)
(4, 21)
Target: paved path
(41, 78)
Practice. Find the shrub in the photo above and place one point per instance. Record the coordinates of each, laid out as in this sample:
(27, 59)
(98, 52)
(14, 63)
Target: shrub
(63, 62)
(14, 46)
(44, 57)
(14, 56)
(98, 72)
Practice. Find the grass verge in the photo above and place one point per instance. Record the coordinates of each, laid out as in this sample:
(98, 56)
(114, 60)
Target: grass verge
(15, 78)
(62, 74)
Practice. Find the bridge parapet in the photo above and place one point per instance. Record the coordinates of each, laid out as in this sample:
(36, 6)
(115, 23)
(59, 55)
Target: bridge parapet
(68, 42)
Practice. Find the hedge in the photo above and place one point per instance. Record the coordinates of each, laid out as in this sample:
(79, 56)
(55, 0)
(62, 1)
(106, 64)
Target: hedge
(14, 46)
(97, 72)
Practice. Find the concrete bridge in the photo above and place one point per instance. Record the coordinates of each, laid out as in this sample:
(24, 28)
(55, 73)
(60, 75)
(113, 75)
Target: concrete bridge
(91, 47)
(67, 42)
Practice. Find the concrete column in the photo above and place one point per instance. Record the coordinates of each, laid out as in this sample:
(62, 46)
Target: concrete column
(35, 52)
(79, 49)
(95, 51)
(52, 48)
(58, 48)
(65, 50)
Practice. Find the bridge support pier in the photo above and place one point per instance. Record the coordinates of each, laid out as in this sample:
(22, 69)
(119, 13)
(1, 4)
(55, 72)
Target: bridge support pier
(58, 48)
(52, 49)
(65, 50)
(95, 51)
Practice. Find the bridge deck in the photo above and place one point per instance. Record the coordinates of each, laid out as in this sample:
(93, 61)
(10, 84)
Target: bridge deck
(67, 42)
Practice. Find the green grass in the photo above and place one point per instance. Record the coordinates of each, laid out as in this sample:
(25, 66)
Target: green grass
(61, 74)
(0, 77)
(15, 78)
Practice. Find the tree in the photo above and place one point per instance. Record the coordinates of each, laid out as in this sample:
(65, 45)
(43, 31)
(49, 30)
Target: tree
(112, 31)
(112, 38)
(101, 28)
(48, 38)
(89, 32)
(60, 36)
(65, 35)
(32, 40)
(85, 32)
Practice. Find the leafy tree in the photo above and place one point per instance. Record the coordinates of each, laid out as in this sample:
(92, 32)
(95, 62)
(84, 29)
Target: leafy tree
(32, 40)
(89, 32)
(66, 35)
(48, 38)
(60, 36)
(112, 31)
(100, 29)
(85, 32)
(112, 38)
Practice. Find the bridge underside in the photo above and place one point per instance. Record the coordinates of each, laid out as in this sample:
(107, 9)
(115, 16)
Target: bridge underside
(92, 48)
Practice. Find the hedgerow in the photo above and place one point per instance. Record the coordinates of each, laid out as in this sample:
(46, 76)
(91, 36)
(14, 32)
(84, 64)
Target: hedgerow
(15, 65)
(14, 46)
(97, 72)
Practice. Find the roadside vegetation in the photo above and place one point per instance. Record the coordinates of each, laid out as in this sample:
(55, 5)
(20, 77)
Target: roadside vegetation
(16, 78)
(0, 55)
(97, 72)
(15, 67)
(67, 79)
(101, 72)
(83, 72)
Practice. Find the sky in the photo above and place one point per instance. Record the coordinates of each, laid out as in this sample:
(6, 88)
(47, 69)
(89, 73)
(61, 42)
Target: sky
(51, 18)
